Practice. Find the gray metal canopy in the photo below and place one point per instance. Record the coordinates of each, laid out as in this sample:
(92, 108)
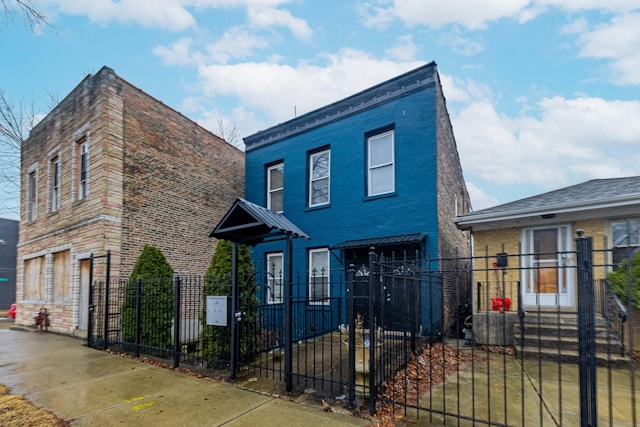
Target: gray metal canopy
(250, 224)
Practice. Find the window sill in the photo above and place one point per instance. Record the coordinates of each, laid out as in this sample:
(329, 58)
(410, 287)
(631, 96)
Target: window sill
(317, 208)
(380, 196)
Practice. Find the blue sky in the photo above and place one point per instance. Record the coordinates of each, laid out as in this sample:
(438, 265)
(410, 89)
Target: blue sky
(541, 93)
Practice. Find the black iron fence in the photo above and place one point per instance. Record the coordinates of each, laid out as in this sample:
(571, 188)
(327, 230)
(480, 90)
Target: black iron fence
(387, 339)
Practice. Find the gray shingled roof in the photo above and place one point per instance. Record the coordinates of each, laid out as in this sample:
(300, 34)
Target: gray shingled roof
(587, 195)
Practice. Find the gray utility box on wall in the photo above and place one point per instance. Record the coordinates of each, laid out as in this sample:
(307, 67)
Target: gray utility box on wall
(218, 310)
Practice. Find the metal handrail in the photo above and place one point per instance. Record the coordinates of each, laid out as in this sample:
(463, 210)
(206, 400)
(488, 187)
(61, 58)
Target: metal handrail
(613, 311)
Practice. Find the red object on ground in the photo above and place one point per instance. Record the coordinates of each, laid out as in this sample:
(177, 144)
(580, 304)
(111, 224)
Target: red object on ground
(501, 304)
(12, 310)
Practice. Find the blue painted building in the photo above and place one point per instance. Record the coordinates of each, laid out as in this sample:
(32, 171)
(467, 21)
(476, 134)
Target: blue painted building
(377, 169)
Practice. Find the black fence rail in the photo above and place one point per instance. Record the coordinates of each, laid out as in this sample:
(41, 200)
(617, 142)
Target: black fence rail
(420, 340)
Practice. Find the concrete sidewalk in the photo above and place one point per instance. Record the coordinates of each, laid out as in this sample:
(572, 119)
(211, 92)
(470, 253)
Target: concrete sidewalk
(90, 387)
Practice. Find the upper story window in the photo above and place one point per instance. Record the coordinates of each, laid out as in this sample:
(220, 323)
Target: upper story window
(274, 278)
(319, 177)
(319, 276)
(625, 238)
(32, 193)
(275, 187)
(54, 183)
(82, 168)
(380, 164)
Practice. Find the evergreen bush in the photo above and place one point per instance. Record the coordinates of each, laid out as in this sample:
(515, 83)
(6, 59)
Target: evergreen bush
(618, 281)
(155, 275)
(216, 340)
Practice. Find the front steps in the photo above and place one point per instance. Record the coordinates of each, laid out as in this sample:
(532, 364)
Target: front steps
(554, 337)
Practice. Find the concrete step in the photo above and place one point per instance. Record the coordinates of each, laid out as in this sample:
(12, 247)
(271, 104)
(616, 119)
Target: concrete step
(555, 337)
(556, 355)
(555, 330)
(554, 318)
(533, 341)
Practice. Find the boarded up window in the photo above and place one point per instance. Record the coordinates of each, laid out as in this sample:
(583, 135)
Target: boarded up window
(34, 279)
(61, 276)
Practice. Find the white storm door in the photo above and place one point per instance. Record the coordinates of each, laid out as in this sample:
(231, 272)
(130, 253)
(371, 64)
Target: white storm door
(547, 275)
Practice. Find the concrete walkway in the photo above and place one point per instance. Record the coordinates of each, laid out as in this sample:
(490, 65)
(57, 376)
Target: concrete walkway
(90, 387)
(501, 391)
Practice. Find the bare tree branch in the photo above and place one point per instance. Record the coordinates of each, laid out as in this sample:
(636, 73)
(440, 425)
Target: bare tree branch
(22, 10)
(231, 133)
(16, 120)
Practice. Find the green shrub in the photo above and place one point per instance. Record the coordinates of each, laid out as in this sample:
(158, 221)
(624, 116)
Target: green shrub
(216, 340)
(155, 275)
(618, 281)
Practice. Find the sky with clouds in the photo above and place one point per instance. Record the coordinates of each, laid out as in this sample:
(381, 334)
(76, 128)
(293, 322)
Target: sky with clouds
(541, 93)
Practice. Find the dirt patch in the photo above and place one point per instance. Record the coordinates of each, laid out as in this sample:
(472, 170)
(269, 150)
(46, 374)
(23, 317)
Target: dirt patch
(17, 411)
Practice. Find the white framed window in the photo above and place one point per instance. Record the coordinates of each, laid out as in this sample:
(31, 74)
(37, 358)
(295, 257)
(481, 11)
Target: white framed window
(625, 238)
(32, 193)
(380, 164)
(319, 177)
(82, 168)
(54, 183)
(319, 276)
(274, 277)
(275, 187)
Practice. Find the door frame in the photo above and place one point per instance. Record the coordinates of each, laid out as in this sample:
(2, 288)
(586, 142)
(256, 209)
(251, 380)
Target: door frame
(565, 296)
(84, 287)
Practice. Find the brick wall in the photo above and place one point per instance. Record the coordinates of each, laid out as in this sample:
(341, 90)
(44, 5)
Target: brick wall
(488, 243)
(179, 180)
(453, 200)
(155, 177)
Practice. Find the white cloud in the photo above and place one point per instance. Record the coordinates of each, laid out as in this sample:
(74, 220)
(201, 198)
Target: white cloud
(479, 198)
(175, 15)
(373, 16)
(278, 90)
(577, 26)
(236, 43)
(459, 44)
(619, 42)
(471, 14)
(166, 14)
(404, 50)
(459, 90)
(267, 17)
(580, 5)
(178, 53)
(567, 141)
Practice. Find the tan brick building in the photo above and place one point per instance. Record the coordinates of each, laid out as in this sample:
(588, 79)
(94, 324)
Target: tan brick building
(112, 169)
(537, 236)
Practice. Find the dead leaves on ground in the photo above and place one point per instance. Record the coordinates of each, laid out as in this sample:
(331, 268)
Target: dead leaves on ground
(423, 372)
(158, 363)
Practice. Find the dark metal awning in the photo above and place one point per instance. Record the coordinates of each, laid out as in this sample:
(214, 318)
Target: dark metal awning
(404, 239)
(250, 224)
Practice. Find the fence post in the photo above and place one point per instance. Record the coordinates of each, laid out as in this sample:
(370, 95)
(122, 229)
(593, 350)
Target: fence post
(90, 308)
(176, 323)
(372, 331)
(138, 315)
(235, 297)
(352, 338)
(288, 316)
(586, 331)
(105, 342)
